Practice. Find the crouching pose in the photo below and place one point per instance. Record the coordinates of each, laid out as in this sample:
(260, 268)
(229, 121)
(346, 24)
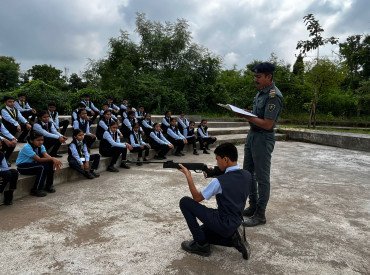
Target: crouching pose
(138, 145)
(204, 138)
(8, 176)
(111, 146)
(79, 157)
(34, 160)
(221, 226)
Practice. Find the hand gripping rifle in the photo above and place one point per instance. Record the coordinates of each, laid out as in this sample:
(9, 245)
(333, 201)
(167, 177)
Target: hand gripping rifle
(196, 167)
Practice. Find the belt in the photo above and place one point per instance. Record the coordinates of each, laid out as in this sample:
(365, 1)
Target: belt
(260, 130)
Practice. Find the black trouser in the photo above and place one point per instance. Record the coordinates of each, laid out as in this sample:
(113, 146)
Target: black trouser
(193, 141)
(63, 125)
(94, 158)
(213, 230)
(7, 150)
(162, 149)
(92, 117)
(44, 173)
(13, 130)
(52, 143)
(178, 143)
(9, 176)
(113, 152)
(27, 114)
(89, 140)
(140, 151)
(206, 141)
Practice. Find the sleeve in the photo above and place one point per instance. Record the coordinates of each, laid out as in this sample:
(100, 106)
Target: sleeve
(132, 141)
(111, 141)
(88, 128)
(127, 123)
(212, 189)
(86, 153)
(114, 117)
(55, 131)
(103, 125)
(200, 133)
(156, 139)
(181, 122)
(163, 138)
(74, 115)
(186, 133)
(115, 107)
(6, 133)
(56, 121)
(43, 149)
(123, 107)
(38, 129)
(272, 108)
(19, 107)
(28, 152)
(5, 115)
(75, 154)
(94, 108)
(181, 136)
(164, 121)
(87, 107)
(21, 118)
(172, 134)
(75, 125)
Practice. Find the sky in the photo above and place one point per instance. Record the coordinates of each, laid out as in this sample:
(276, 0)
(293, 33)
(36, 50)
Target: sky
(67, 33)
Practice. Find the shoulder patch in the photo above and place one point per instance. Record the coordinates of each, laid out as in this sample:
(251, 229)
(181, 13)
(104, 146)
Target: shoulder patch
(271, 107)
(272, 94)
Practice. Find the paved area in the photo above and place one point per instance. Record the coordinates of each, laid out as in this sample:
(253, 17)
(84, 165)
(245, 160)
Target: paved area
(130, 223)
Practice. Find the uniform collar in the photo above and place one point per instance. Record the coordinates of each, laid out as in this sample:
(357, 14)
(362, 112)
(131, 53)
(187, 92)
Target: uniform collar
(232, 168)
(268, 88)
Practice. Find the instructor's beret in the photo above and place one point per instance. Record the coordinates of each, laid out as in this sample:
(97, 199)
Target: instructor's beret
(264, 67)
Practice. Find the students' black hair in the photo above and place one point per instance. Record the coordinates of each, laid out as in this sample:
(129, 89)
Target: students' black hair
(202, 120)
(52, 104)
(107, 111)
(34, 135)
(6, 98)
(85, 95)
(21, 94)
(191, 122)
(173, 119)
(113, 123)
(227, 150)
(41, 113)
(105, 103)
(155, 124)
(80, 111)
(136, 124)
(81, 105)
(165, 114)
(76, 132)
(129, 113)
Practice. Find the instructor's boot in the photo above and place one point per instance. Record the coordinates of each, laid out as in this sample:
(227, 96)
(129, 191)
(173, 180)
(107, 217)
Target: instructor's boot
(257, 218)
(249, 211)
(8, 197)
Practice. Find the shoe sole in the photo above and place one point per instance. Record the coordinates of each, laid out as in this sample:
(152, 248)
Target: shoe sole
(204, 254)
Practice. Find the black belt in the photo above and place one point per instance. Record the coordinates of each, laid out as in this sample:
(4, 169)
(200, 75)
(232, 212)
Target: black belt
(255, 128)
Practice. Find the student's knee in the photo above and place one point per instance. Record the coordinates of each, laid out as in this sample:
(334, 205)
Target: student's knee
(184, 202)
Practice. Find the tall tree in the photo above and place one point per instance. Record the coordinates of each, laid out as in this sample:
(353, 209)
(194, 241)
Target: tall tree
(9, 73)
(46, 73)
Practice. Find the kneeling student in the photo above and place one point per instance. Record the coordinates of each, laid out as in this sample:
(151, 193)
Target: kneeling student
(138, 144)
(79, 157)
(9, 176)
(111, 146)
(158, 142)
(34, 160)
(221, 226)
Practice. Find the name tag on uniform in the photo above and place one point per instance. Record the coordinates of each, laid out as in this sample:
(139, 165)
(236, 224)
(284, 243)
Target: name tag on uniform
(83, 159)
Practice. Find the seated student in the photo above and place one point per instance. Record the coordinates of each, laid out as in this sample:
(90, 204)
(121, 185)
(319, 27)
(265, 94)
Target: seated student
(138, 144)
(34, 160)
(176, 138)
(204, 138)
(60, 125)
(113, 107)
(22, 105)
(189, 134)
(182, 122)
(123, 108)
(147, 124)
(140, 113)
(105, 107)
(74, 115)
(8, 176)
(166, 121)
(83, 123)
(92, 111)
(104, 122)
(8, 141)
(52, 138)
(127, 124)
(221, 226)
(111, 146)
(79, 157)
(159, 143)
(13, 120)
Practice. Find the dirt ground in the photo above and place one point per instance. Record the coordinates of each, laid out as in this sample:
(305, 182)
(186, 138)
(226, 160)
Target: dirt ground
(318, 221)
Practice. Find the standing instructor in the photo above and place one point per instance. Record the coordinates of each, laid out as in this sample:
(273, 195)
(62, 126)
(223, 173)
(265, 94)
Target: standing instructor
(267, 106)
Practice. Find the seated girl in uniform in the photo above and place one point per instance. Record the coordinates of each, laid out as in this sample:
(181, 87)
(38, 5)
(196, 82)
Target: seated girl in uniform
(204, 138)
(83, 123)
(138, 144)
(158, 142)
(8, 176)
(176, 138)
(189, 134)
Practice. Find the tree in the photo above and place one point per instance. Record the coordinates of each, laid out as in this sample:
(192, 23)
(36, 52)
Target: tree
(298, 67)
(9, 73)
(47, 73)
(76, 83)
(315, 32)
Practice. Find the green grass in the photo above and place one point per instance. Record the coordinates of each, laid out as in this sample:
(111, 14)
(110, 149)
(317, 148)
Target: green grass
(327, 128)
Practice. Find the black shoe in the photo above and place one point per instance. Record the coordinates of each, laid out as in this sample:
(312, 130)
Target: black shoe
(124, 165)
(96, 175)
(249, 211)
(205, 152)
(157, 157)
(178, 155)
(88, 175)
(112, 169)
(51, 189)
(139, 163)
(195, 152)
(194, 247)
(38, 193)
(8, 197)
(56, 156)
(257, 218)
(182, 154)
(145, 159)
(240, 243)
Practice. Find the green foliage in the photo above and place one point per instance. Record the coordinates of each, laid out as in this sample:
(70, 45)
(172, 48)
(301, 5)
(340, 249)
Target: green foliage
(9, 73)
(47, 74)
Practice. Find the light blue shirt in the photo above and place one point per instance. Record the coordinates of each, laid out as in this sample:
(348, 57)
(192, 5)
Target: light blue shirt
(186, 133)
(75, 154)
(202, 132)
(5, 133)
(52, 134)
(76, 125)
(18, 106)
(146, 124)
(26, 154)
(183, 121)
(164, 121)
(171, 133)
(161, 139)
(54, 121)
(93, 108)
(4, 165)
(5, 115)
(139, 140)
(108, 136)
(214, 187)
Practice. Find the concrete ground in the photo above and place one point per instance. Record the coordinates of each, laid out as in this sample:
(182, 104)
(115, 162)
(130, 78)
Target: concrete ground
(130, 222)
